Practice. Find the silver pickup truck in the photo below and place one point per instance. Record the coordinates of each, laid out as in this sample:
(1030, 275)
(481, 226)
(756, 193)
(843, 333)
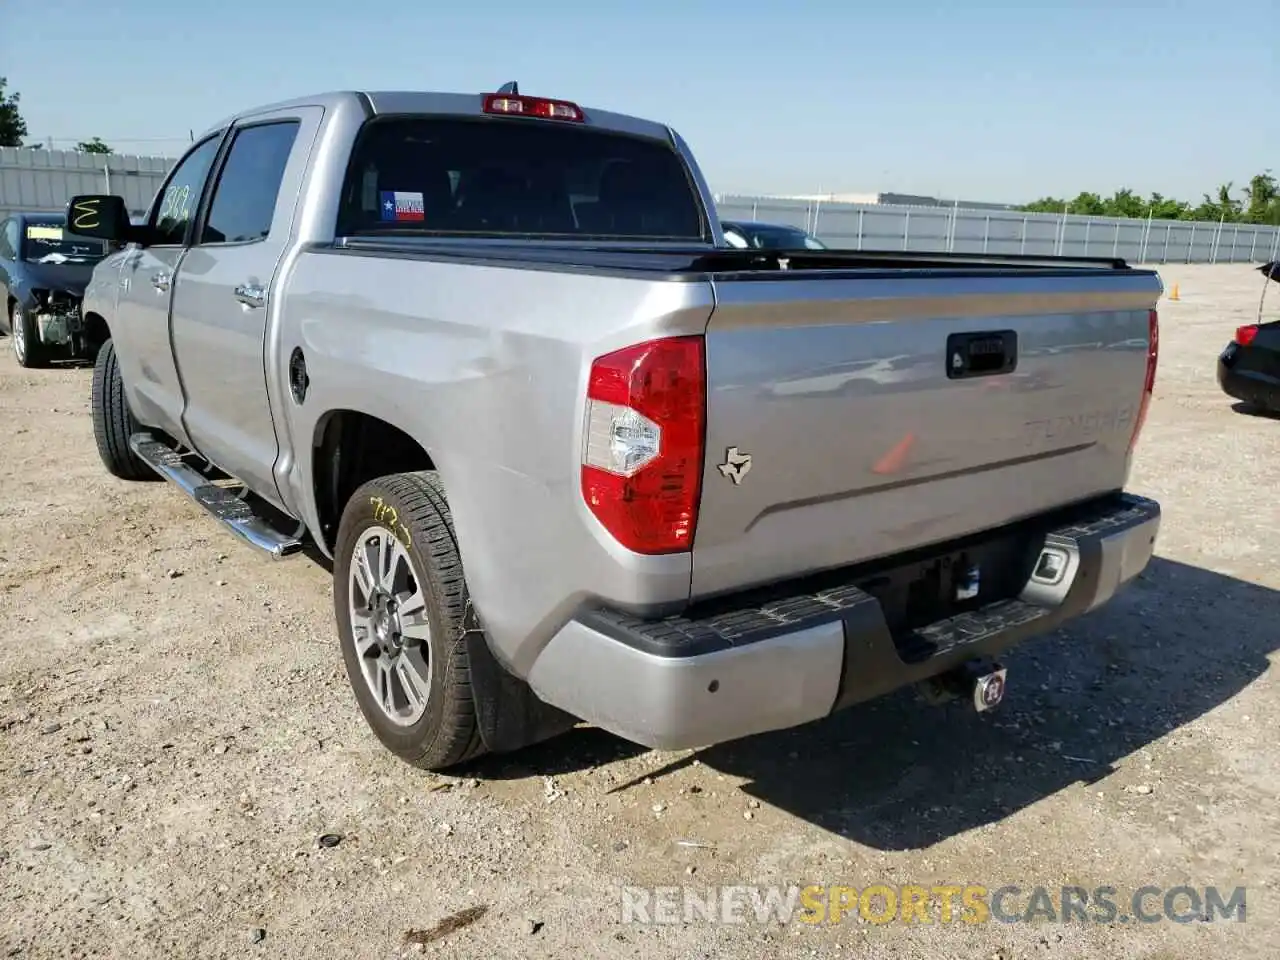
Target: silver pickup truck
(574, 458)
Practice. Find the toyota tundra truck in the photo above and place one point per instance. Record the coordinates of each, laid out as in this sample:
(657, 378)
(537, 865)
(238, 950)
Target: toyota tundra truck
(574, 458)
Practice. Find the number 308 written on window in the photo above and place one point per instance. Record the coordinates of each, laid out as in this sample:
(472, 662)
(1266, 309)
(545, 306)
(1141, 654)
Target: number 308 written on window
(175, 205)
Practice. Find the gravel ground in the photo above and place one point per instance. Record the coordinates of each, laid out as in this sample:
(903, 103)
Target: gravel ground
(177, 734)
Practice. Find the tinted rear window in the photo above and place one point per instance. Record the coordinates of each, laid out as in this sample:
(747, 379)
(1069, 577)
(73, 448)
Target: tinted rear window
(506, 177)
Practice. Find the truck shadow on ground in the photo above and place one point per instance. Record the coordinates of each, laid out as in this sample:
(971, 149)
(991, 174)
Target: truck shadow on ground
(1253, 410)
(898, 774)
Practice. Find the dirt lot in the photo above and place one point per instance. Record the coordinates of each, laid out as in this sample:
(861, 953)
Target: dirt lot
(177, 733)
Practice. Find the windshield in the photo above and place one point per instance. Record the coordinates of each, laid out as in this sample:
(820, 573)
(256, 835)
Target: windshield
(777, 238)
(500, 178)
(46, 243)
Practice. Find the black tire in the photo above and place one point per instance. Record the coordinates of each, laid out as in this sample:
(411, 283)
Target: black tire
(413, 507)
(28, 349)
(113, 421)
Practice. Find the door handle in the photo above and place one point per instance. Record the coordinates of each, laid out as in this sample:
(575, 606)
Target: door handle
(981, 354)
(251, 295)
(160, 281)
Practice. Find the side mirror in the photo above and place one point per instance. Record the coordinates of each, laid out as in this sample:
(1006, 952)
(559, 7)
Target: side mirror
(101, 216)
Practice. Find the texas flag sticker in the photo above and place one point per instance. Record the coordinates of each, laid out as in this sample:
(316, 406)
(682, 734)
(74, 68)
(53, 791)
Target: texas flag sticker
(399, 205)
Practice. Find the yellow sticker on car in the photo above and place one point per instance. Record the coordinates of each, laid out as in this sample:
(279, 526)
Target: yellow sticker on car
(44, 233)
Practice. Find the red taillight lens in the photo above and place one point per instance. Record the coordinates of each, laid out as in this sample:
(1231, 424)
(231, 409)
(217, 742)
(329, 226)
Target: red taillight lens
(1149, 384)
(642, 449)
(518, 106)
(1245, 335)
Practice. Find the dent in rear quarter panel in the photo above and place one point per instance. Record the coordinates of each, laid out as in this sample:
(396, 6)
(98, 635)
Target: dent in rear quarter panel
(863, 448)
(486, 368)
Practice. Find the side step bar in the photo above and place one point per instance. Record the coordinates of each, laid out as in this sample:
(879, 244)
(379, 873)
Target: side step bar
(235, 513)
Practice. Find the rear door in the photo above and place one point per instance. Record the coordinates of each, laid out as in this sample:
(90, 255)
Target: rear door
(222, 302)
(141, 325)
(841, 426)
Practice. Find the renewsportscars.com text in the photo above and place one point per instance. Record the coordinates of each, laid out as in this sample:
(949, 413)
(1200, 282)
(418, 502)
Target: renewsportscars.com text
(969, 904)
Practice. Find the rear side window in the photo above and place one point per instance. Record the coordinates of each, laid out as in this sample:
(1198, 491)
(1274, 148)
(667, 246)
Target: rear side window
(499, 177)
(244, 200)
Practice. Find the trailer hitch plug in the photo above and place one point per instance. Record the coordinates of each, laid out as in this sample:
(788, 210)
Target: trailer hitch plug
(983, 682)
(988, 689)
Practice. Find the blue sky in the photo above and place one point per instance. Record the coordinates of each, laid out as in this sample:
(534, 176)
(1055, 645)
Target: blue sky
(976, 100)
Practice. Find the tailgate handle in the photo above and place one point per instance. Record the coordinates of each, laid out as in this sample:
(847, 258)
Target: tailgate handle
(982, 354)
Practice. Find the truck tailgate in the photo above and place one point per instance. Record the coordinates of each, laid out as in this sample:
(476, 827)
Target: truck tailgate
(862, 445)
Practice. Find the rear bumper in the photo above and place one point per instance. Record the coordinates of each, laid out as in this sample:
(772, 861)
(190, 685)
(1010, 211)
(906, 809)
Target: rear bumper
(759, 665)
(1251, 386)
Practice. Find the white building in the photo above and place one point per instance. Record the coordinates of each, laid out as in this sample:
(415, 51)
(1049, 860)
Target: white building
(889, 199)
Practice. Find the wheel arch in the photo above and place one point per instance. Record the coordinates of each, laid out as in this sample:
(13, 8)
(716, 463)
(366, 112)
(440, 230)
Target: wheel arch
(96, 327)
(22, 296)
(350, 447)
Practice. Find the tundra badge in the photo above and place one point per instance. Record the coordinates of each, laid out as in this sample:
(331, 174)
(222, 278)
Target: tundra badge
(736, 465)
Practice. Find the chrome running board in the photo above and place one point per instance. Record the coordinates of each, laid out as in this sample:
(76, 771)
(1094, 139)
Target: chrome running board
(235, 512)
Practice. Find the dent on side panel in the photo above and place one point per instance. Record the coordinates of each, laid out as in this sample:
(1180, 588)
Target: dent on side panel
(486, 367)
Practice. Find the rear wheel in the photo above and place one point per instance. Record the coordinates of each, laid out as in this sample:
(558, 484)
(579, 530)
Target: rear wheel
(113, 421)
(27, 347)
(404, 615)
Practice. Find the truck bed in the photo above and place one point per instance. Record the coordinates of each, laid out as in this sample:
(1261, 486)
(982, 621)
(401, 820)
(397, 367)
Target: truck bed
(701, 262)
(829, 370)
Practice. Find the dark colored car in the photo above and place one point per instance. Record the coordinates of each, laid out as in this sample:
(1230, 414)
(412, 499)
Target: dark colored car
(768, 236)
(43, 275)
(1249, 367)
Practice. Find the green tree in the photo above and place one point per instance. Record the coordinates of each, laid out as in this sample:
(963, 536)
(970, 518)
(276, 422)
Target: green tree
(1163, 208)
(1261, 204)
(1264, 199)
(1220, 206)
(1126, 203)
(12, 127)
(93, 146)
(1046, 205)
(1089, 204)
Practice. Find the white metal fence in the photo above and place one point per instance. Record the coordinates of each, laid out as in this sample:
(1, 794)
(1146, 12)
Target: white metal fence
(44, 180)
(38, 181)
(881, 227)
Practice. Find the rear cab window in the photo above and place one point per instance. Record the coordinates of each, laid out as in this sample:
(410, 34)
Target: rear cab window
(504, 177)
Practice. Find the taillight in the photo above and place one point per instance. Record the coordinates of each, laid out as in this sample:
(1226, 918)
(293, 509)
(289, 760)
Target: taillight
(642, 450)
(515, 105)
(1245, 335)
(1149, 384)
